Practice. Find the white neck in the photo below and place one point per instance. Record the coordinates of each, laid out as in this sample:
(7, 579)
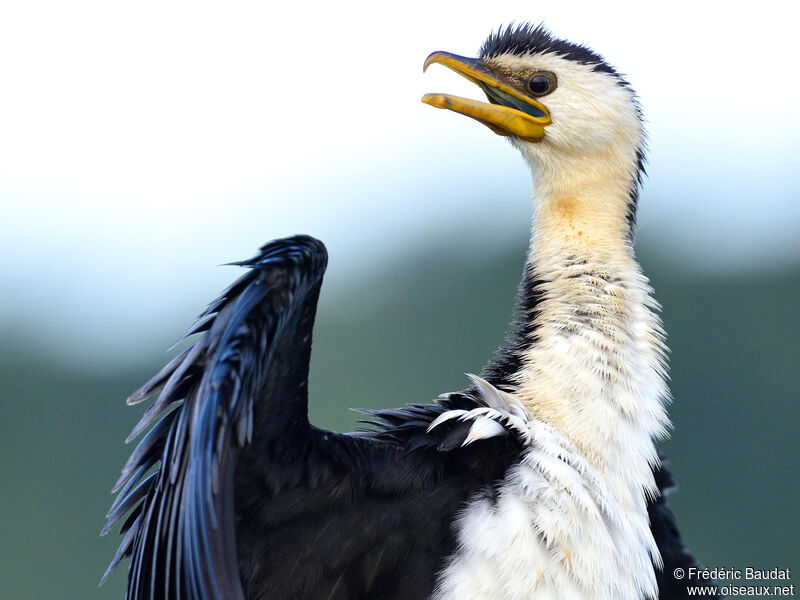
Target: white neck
(596, 369)
(596, 313)
(570, 520)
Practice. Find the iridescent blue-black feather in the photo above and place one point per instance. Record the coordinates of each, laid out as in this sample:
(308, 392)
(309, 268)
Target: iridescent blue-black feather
(177, 489)
(232, 494)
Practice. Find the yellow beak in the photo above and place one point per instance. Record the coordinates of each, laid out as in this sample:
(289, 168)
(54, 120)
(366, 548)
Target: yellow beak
(510, 113)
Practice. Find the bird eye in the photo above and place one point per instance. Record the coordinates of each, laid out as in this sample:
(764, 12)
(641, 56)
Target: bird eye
(541, 84)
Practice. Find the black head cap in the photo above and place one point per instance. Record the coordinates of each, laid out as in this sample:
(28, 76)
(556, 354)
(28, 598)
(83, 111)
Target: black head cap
(527, 38)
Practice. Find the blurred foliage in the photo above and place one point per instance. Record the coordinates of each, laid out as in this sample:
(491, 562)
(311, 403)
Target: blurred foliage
(408, 333)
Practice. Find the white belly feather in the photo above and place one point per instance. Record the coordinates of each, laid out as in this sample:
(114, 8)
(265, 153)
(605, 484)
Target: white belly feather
(551, 530)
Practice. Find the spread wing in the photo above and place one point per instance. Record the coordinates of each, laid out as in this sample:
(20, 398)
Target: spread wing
(247, 373)
(231, 493)
(230, 417)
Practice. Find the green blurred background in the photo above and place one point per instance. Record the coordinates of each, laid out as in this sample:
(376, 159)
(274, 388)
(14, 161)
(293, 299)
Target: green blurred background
(143, 143)
(405, 333)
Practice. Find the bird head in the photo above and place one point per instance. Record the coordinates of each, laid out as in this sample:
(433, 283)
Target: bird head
(555, 100)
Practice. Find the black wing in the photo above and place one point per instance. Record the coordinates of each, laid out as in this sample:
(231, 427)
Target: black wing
(232, 494)
(179, 524)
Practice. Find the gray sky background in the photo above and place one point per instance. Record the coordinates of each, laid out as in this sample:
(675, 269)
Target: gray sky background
(141, 144)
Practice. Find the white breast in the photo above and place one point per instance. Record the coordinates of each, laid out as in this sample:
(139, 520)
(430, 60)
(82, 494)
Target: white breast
(551, 530)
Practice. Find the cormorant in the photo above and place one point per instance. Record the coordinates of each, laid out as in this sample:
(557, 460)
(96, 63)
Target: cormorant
(540, 480)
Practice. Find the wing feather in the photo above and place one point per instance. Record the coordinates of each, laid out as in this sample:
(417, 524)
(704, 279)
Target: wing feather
(176, 490)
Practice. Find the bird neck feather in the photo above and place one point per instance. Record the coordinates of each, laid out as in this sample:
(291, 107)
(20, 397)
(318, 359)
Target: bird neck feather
(593, 361)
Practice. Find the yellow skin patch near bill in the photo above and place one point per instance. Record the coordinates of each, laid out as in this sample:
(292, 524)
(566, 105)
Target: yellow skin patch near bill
(526, 122)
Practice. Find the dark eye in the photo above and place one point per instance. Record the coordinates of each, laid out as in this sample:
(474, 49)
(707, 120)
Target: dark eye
(539, 85)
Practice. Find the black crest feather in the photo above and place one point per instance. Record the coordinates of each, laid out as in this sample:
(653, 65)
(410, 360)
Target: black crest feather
(527, 38)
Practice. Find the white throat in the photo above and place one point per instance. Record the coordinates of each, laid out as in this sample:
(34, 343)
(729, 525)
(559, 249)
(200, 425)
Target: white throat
(596, 369)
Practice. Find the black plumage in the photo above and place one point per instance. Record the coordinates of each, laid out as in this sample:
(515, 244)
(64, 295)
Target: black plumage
(233, 416)
(527, 38)
(233, 494)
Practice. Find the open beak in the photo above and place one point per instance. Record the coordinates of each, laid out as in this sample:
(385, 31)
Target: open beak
(510, 113)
